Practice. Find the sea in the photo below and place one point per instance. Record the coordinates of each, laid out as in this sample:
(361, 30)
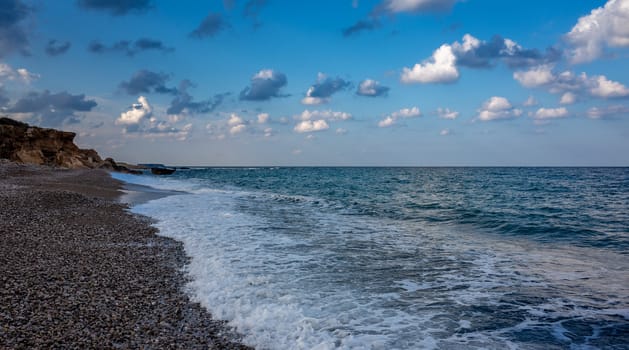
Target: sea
(405, 258)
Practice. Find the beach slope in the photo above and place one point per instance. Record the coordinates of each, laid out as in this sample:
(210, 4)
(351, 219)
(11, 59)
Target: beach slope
(78, 271)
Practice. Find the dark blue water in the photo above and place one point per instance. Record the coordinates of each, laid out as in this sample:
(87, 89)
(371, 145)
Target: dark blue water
(407, 257)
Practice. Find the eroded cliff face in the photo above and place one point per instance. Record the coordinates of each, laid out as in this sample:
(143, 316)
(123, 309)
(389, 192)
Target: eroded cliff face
(20, 142)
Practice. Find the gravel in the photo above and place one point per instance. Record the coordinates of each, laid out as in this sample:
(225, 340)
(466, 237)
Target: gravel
(78, 271)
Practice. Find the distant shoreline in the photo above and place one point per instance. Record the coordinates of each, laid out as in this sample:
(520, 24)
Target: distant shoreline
(80, 271)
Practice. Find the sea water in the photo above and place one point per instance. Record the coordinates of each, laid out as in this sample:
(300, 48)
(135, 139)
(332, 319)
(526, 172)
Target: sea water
(405, 258)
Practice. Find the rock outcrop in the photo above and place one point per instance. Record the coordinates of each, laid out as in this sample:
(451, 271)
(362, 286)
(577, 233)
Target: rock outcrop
(22, 143)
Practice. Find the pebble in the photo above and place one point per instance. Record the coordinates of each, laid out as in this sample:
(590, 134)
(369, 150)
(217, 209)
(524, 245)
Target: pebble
(78, 271)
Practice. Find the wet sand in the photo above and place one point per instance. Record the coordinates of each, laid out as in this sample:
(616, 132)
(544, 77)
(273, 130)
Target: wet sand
(79, 271)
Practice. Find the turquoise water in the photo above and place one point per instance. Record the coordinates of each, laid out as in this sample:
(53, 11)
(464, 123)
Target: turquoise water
(406, 258)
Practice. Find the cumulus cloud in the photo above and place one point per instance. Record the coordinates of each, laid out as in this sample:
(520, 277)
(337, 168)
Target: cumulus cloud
(317, 120)
(607, 112)
(404, 113)
(605, 88)
(536, 76)
(13, 35)
(264, 85)
(606, 26)
(52, 109)
(446, 113)
(145, 81)
(443, 65)
(551, 113)
(497, 108)
(56, 48)
(371, 88)
(311, 126)
(130, 48)
(20, 74)
(235, 124)
(415, 6)
(445, 132)
(440, 68)
(136, 113)
(139, 120)
(116, 7)
(325, 114)
(568, 98)
(263, 118)
(321, 91)
(211, 25)
(475, 53)
(597, 86)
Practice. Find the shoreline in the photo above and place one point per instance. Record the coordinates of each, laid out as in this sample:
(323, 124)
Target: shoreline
(134, 194)
(80, 271)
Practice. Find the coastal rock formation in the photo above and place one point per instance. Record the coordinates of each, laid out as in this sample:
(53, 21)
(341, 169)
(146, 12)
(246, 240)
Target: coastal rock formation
(22, 143)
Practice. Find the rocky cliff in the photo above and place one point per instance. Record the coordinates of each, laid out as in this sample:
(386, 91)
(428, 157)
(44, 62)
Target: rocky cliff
(22, 143)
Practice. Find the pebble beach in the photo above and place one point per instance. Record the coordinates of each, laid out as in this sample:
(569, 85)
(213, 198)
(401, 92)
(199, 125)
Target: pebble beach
(79, 271)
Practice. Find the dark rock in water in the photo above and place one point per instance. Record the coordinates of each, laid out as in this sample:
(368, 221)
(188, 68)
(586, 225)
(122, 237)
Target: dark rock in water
(162, 171)
(110, 164)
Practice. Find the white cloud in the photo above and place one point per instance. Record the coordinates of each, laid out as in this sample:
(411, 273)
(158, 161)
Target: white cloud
(551, 113)
(368, 87)
(311, 126)
(446, 113)
(440, 68)
(139, 121)
(386, 122)
(237, 129)
(341, 131)
(263, 118)
(445, 132)
(531, 101)
(309, 100)
(602, 87)
(396, 6)
(325, 114)
(234, 120)
(496, 108)
(597, 86)
(470, 43)
(403, 113)
(268, 132)
(607, 112)
(21, 74)
(606, 26)
(536, 76)
(568, 98)
(497, 103)
(265, 74)
(371, 88)
(236, 124)
(136, 114)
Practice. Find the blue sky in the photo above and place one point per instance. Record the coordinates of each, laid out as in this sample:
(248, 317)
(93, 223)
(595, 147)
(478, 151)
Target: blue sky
(343, 82)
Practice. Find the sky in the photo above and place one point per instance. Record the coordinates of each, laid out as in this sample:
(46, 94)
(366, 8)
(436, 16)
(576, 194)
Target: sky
(324, 83)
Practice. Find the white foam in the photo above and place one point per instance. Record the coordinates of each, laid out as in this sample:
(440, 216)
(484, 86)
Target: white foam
(310, 280)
